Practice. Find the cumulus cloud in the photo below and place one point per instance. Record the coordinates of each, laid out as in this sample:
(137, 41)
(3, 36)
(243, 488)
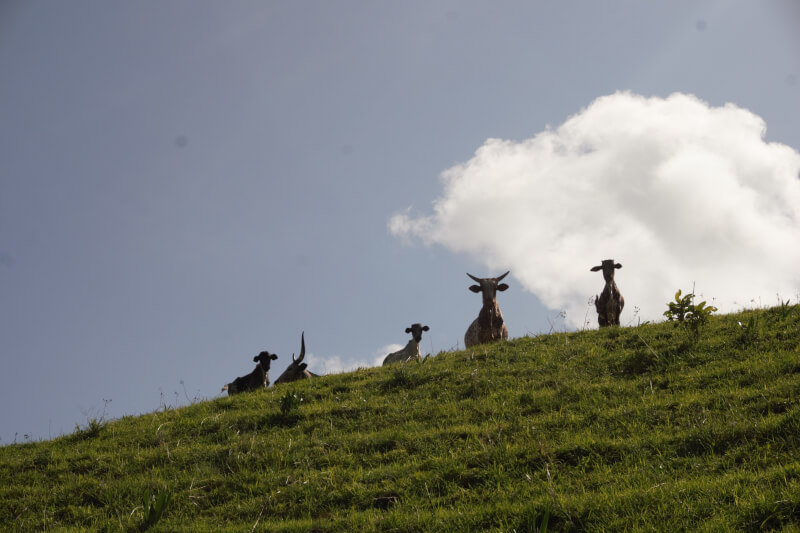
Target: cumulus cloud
(676, 190)
(380, 354)
(328, 365)
(333, 364)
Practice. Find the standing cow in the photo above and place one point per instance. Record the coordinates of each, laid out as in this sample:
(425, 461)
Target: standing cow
(610, 302)
(489, 325)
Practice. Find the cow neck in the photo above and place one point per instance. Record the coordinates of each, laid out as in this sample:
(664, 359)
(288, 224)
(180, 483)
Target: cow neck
(611, 288)
(490, 315)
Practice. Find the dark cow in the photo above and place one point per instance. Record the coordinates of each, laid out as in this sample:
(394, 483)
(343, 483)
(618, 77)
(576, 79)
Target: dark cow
(257, 379)
(297, 369)
(610, 302)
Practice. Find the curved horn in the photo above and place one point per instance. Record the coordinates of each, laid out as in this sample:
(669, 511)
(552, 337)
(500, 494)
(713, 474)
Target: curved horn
(501, 277)
(473, 277)
(302, 347)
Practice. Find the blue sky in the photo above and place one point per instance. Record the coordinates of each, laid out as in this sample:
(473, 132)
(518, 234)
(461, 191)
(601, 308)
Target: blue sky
(184, 184)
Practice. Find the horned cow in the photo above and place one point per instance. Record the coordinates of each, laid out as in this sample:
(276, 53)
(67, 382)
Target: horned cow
(297, 369)
(411, 350)
(258, 378)
(610, 302)
(489, 326)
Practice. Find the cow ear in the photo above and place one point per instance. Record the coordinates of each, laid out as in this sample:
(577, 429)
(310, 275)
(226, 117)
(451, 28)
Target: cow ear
(255, 359)
(425, 328)
(502, 287)
(475, 288)
(595, 269)
(618, 265)
(303, 366)
(408, 330)
(273, 357)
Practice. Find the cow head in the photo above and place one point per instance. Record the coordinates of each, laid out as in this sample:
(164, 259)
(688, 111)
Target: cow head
(607, 267)
(488, 287)
(416, 331)
(265, 358)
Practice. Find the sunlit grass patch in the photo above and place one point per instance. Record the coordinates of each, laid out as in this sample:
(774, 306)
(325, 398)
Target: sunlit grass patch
(633, 428)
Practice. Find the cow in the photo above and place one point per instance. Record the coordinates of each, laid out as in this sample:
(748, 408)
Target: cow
(489, 325)
(297, 369)
(411, 351)
(610, 302)
(257, 379)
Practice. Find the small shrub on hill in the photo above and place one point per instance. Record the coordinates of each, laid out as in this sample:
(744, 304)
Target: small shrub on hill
(290, 404)
(683, 311)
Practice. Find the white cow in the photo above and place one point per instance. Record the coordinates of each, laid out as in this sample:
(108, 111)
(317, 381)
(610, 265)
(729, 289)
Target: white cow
(411, 351)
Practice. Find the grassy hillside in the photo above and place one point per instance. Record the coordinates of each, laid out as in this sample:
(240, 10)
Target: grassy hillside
(627, 428)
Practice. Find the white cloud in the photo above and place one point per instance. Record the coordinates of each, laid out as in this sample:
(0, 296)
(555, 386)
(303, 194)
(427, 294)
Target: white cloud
(327, 365)
(380, 354)
(333, 364)
(677, 191)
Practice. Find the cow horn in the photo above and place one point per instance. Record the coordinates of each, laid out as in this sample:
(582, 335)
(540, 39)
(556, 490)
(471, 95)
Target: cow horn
(302, 348)
(501, 277)
(473, 277)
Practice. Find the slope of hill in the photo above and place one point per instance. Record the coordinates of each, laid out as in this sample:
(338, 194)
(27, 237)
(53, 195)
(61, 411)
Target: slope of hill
(646, 427)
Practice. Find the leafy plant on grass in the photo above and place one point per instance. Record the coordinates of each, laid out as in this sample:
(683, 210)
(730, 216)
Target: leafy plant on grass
(90, 430)
(93, 425)
(290, 403)
(154, 507)
(684, 312)
(782, 311)
(749, 333)
(532, 524)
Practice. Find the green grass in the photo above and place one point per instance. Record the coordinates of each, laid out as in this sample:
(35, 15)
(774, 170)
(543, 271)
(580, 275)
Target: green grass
(642, 428)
